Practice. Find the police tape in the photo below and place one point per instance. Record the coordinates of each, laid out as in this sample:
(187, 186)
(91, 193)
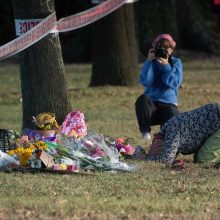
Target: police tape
(51, 25)
(29, 38)
(84, 18)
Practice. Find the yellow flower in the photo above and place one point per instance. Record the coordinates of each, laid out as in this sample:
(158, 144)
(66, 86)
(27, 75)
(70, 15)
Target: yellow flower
(45, 121)
(32, 147)
(41, 145)
(19, 149)
(24, 157)
(25, 152)
(11, 152)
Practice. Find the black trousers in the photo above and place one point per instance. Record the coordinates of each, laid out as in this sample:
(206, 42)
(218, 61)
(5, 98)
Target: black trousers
(153, 113)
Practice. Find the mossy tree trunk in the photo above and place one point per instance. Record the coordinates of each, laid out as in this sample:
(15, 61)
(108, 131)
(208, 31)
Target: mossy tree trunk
(115, 50)
(41, 68)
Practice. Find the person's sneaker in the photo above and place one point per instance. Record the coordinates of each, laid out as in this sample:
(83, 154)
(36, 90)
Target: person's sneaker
(146, 136)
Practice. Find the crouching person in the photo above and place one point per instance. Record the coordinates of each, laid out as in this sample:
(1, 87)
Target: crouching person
(184, 133)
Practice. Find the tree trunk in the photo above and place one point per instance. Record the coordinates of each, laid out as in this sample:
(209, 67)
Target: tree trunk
(195, 31)
(41, 68)
(153, 18)
(114, 49)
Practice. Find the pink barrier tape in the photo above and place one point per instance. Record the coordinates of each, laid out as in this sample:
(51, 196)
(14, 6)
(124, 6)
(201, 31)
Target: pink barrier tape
(50, 25)
(89, 16)
(30, 37)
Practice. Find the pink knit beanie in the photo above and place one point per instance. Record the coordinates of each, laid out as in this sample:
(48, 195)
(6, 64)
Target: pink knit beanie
(164, 36)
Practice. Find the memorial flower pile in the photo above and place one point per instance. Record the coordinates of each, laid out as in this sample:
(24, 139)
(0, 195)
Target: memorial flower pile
(72, 149)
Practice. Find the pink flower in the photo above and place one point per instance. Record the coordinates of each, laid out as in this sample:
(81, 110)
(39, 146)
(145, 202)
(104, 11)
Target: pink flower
(120, 140)
(23, 140)
(122, 148)
(98, 152)
(74, 124)
(88, 144)
(129, 150)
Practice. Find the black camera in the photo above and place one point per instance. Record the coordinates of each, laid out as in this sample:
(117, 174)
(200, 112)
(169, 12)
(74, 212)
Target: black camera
(161, 52)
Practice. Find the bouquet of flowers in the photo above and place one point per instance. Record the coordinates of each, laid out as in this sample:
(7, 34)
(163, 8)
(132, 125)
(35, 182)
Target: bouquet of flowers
(46, 121)
(92, 152)
(123, 147)
(74, 125)
(24, 149)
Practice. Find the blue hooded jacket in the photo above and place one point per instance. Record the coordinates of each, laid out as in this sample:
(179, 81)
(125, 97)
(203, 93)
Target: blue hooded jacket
(161, 81)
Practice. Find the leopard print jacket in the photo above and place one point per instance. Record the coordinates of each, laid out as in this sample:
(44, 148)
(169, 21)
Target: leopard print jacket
(186, 132)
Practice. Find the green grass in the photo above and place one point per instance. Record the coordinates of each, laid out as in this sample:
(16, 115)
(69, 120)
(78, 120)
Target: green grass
(154, 192)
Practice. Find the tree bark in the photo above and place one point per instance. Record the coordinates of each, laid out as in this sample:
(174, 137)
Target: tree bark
(114, 49)
(41, 68)
(153, 18)
(194, 32)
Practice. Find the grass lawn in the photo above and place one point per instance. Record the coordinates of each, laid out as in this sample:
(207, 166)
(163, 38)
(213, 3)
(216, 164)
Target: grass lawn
(154, 192)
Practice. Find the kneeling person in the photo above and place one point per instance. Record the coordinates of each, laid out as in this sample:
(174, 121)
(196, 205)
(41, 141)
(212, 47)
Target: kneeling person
(186, 132)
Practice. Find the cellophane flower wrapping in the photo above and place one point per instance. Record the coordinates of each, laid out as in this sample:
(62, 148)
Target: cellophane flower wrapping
(93, 153)
(74, 124)
(7, 161)
(32, 134)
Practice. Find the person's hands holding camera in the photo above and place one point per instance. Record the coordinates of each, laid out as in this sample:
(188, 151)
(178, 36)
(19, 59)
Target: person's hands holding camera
(162, 60)
(151, 55)
(157, 54)
(162, 55)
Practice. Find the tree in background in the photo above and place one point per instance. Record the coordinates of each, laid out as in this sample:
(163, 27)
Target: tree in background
(76, 45)
(153, 18)
(41, 68)
(114, 55)
(194, 27)
(6, 22)
(190, 22)
(216, 11)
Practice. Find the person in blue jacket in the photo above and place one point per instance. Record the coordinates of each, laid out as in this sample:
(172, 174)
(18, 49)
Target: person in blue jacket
(161, 76)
